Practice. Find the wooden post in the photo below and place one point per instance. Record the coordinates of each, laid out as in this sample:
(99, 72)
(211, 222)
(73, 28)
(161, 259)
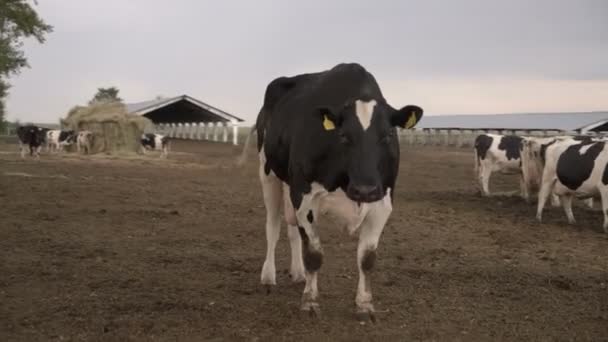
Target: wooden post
(225, 129)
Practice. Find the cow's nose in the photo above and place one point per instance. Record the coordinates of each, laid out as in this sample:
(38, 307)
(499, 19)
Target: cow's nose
(365, 192)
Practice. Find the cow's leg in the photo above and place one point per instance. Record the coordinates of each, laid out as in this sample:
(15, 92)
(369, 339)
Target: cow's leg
(297, 264)
(525, 194)
(271, 188)
(312, 253)
(485, 171)
(371, 229)
(604, 197)
(589, 202)
(22, 148)
(555, 200)
(566, 200)
(545, 190)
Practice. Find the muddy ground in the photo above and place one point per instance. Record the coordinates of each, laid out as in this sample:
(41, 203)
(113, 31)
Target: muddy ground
(95, 248)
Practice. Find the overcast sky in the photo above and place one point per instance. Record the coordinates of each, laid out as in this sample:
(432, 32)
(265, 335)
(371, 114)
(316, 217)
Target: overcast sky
(449, 57)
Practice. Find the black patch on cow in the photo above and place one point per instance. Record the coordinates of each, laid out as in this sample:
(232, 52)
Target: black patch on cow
(574, 168)
(67, 137)
(368, 261)
(482, 145)
(148, 140)
(312, 259)
(511, 144)
(605, 175)
(310, 216)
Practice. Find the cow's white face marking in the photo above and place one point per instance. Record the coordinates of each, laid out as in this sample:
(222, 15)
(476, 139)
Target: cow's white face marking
(364, 111)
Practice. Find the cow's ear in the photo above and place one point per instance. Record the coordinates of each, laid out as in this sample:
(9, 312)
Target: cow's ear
(407, 117)
(328, 118)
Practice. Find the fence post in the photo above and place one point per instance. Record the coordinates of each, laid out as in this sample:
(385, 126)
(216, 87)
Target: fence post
(225, 131)
(235, 133)
(215, 126)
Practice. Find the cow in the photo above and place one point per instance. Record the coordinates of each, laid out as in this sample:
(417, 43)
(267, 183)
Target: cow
(32, 137)
(498, 153)
(151, 141)
(575, 168)
(57, 139)
(84, 141)
(327, 143)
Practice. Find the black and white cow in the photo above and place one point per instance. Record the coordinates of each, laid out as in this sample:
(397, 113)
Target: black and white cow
(57, 139)
(327, 142)
(575, 169)
(32, 137)
(158, 142)
(533, 151)
(84, 141)
(498, 153)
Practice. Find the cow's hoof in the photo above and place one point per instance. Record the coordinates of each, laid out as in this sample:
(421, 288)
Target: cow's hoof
(366, 313)
(313, 308)
(267, 288)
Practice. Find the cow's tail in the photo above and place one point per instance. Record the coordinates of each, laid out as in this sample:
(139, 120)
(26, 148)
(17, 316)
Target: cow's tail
(243, 157)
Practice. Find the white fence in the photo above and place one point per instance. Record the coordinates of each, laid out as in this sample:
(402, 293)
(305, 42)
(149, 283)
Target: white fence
(466, 137)
(213, 131)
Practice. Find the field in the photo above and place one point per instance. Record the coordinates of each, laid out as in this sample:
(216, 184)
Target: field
(96, 248)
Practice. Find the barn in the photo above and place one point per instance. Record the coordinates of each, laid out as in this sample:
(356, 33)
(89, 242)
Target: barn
(188, 118)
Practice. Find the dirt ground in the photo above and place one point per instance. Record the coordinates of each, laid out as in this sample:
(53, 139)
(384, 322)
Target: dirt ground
(95, 248)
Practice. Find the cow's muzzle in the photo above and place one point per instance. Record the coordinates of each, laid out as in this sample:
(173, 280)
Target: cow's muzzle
(364, 193)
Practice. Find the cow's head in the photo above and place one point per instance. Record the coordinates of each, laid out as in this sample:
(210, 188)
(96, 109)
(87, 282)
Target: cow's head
(367, 143)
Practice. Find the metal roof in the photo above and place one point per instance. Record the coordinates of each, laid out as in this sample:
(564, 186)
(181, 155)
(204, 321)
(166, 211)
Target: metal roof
(145, 107)
(520, 121)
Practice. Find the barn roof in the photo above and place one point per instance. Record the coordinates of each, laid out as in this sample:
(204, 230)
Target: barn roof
(520, 121)
(181, 108)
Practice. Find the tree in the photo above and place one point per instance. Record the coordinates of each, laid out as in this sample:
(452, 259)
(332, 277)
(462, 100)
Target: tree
(105, 95)
(18, 20)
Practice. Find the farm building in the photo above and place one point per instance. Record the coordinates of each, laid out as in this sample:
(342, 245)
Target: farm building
(461, 130)
(564, 122)
(186, 117)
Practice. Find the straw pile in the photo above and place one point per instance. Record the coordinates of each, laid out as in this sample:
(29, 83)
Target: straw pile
(114, 130)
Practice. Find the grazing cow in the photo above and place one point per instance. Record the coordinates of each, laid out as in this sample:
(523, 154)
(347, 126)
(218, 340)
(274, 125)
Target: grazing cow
(498, 153)
(58, 139)
(31, 136)
(150, 141)
(84, 141)
(575, 169)
(327, 142)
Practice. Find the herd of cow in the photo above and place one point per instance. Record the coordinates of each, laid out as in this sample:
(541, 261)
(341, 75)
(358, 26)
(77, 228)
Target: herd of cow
(561, 167)
(34, 137)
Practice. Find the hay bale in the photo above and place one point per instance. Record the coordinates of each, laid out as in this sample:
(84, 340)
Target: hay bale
(114, 129)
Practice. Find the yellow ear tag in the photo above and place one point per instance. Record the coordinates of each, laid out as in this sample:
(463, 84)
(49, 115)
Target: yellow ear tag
(411, 122)
(328, 124)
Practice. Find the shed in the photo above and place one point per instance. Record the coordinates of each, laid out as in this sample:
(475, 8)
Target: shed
(579, 121)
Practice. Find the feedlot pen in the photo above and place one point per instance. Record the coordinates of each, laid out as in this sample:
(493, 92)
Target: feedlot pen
(143, 248)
